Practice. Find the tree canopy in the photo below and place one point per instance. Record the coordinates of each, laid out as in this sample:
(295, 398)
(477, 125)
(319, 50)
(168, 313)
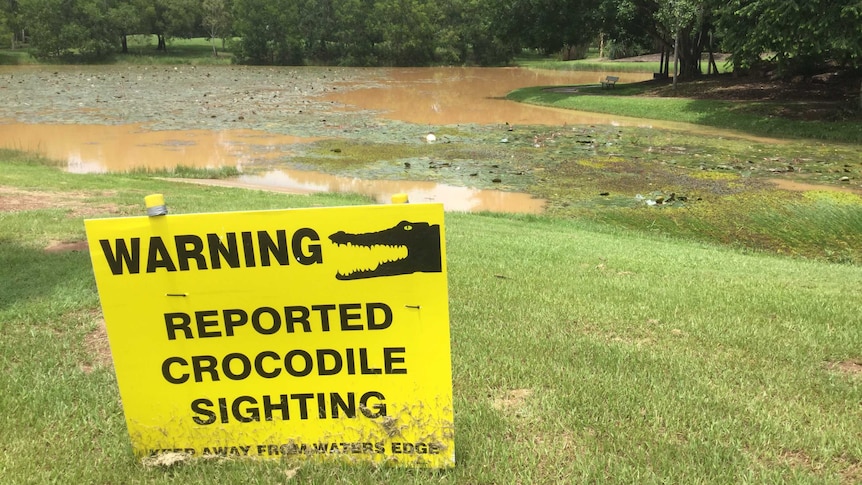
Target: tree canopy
(795, 35)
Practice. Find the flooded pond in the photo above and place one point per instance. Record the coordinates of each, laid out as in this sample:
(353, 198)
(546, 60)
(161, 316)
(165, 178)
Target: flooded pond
(104, 119)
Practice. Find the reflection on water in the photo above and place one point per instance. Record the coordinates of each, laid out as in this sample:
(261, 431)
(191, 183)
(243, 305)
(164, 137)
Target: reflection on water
(97, 148)
(460, 199)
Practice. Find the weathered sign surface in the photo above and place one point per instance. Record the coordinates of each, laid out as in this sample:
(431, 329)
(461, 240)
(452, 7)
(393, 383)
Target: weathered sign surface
(313, 333)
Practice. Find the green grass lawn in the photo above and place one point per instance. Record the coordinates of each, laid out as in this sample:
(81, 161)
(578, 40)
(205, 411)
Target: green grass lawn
(756, 118)
(199, 50)
(581, 352)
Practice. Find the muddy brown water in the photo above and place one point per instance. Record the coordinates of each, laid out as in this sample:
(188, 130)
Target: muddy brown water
(116, 148)
(455, 95)
(427, 96)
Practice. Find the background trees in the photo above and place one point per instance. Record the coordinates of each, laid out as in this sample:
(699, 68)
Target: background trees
(11, 32)
(797, 36)
(549, 25)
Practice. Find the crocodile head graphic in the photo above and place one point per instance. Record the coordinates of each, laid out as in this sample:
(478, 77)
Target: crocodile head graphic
(421, 240)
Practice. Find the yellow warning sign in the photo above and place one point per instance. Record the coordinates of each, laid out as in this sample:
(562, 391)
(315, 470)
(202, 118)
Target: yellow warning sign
(307, 333)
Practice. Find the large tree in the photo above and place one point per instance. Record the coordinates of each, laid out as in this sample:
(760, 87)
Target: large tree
(268, 33)
(9, 22)
(58, 27)
(548, 25)
(169, 18)
(125, 17)
(798, 35)
(407, 28)
(468, 33)
(216, 19)
(686, 24)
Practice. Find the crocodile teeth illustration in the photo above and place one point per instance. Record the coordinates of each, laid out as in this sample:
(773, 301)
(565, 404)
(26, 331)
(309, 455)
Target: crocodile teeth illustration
(420, 240)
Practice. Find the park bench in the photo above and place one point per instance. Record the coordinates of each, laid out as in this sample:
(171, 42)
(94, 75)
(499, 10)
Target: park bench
(610, 81)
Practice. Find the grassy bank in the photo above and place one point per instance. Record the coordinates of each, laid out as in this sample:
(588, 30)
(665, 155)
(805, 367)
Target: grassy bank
(142, 51)
(581, 353)
(767, 118)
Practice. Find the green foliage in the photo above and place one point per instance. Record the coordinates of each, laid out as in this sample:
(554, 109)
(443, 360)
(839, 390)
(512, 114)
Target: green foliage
(799, 36)
(661, 25)
(267, 32)
(216, 19)
(367, 32)
(406, 30)
(5, 28)
(48, 28)
(548, 25)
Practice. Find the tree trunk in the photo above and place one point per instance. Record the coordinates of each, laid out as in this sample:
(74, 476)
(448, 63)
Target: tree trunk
(125, 43)
(667, 61)
(688, 52)
(162, 44)
(711, 67)
(675, 58)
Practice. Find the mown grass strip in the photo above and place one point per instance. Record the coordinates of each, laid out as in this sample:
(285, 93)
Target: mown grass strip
(580, 353)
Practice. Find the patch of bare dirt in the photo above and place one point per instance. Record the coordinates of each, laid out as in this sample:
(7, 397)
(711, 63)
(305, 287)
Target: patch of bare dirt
(852, 474)
(166, 459)
(512, 401)
(829, 96)
(849, 367)
(827, 87)
(19, 200)
(62, 247)
(754, 88)
(98, 349)
(846, 469)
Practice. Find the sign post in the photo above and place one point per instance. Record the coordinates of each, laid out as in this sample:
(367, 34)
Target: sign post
(308, 333)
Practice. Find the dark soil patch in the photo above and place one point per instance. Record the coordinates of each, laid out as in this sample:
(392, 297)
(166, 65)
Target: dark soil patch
(75, 203)
(96, 343)
(750, 88)
(801, 99)
(849, 367)
(827, 96)
(61, 247)
(825, 87)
